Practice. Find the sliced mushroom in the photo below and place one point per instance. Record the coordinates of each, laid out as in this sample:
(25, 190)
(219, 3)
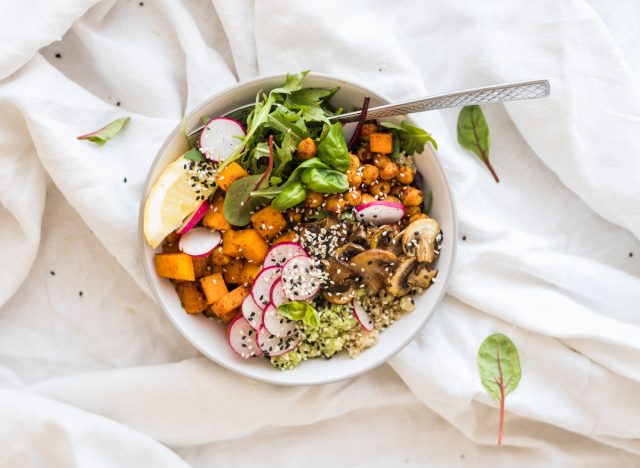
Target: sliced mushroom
(339, 295)
(380, 238)
(375, 266)
(410, 275)
(359, 236)
(348, 250)
(419, 239)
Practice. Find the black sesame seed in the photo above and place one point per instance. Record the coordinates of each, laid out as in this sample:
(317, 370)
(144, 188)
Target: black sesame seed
(52, 273)
(630, 254)
(58, 55)
(118, 104)
(125, 180)
(464, 238)
(80, 293)
(141, 3)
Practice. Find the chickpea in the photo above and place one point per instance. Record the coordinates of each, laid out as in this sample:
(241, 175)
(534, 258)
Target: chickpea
(364, 154)
(306, 149)
(391, 198)
(355, 162)
(397, 190)
(369, 174)
(412, 197)
(410, 211)
(405, 175)
(418, 216)
(294, 215)
(353, 197)
(220, 258)
(389, 172)
(354, 178)
(380, 160)
(314, 199)
(367, 198)
(335, 204)
(367, 130)
(380, 188)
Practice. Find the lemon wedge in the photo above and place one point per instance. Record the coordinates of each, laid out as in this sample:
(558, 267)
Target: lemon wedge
(170, 201)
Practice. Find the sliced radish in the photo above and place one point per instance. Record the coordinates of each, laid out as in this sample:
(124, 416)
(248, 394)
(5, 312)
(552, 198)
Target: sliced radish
(279, 325)
(277, 294)
(362, 316)
(194, 218)
(279, 254)
(252, 312)
(242, 338)
(220, 137)
(300, 278)
(199, 242)
(271, 345)
(380, 212)
(261, 289)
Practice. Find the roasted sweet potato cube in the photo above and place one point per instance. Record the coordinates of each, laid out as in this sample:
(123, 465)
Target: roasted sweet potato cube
(269, 222)
(225, 318)
(289, 236)
(230, 301)
(192, 299)
(200, 266)
(248, 273)
(214, 219)
(177, 266)
(381, 143)
(229, 245)
(229, 175)
(251, 245)
(213, 287)
(218, 257)
(232, 271)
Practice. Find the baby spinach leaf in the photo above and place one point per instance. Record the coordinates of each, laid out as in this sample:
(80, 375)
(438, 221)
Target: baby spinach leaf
(412, 138)
(500, 372)
(102, 136)
(271, 192)
(333, 151)
(193, 154)
(290, 197)
(473, 134)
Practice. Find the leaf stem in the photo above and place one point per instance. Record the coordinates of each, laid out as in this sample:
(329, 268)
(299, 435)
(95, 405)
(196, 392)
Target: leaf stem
(485, 156)
(490, 167)
(501, 385)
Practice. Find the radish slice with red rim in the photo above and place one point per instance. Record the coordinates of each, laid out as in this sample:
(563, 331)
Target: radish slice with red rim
(271, 345)
(194, 218)
(277, 294)
(379, 212)
(301, 279)
(279, 325)
(220, 138)
(199, 242)
(279, 254)
(243, 339)
(261, 289)
(252, 312)
(362, 316)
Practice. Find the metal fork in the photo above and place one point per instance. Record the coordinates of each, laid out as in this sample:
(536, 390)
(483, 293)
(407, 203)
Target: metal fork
(515, 91)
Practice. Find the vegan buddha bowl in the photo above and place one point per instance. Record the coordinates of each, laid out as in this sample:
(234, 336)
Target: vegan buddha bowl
(291, 248)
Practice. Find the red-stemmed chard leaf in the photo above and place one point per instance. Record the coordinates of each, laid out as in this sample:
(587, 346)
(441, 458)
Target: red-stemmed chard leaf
(500, 372)
(473, 134)
(355, 138)
(106, 133)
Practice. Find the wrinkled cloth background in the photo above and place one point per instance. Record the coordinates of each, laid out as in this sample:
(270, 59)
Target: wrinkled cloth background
(93, 374)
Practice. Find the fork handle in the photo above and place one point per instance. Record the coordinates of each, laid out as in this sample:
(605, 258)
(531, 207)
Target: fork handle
(497, 93)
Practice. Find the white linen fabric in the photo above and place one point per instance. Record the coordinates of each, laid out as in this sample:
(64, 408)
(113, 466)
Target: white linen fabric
(93, 374)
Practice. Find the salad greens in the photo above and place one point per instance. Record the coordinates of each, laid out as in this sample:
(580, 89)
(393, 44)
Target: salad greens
(473, 134)
(500, 372)
(295, 193)
(411, 139)
(106, 133)
(333, 151)
(325, 180)
(300, 310)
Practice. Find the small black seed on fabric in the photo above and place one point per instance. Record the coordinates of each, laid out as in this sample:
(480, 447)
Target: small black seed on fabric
(80, 293)
(52, 273)
(125, 180)
(58, 55)
(464, 238)
(630, 254)
(118, 103)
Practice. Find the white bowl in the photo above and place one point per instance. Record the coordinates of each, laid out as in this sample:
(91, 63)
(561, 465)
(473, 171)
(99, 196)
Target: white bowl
(209, 337)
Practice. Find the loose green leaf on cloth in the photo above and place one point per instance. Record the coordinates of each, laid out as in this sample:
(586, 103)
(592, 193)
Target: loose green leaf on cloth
(500, 372)
(106, 133)
(473, 134)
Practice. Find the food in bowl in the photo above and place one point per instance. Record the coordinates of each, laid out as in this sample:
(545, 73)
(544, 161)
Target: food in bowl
(303, 244)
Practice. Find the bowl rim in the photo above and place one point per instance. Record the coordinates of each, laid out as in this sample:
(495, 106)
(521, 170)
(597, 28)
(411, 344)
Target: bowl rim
(238, 369)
